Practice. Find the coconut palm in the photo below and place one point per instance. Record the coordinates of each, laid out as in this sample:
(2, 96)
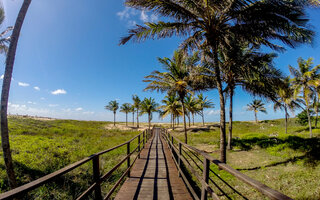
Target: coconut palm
(132, 111)
(136, 104)
(191, 104)
(113, 106)
(5, 92)
(256, 106)
(148, 106)
(172, 106)
(203, 103)
(126, 108)
(285, 100)
(250, 69)
(176, 79)
(212, 23)
(304, 79)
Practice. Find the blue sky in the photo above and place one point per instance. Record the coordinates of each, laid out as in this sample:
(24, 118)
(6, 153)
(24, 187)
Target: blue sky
(68, 50)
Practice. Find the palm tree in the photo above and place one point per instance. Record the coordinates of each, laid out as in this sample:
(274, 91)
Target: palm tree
(285, 100)
(304, 80)
(191, 104)
(211, 24)
(136, 104)
(172, 106)
(176, 79)
(203, 103)
(4, 41)
(148, 106)
(113, 106)
(256, 106)
(132, 111)
(5, 92)
(126, 108)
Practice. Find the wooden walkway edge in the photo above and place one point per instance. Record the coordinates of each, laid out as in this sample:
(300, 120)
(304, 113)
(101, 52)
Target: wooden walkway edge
(154, 175)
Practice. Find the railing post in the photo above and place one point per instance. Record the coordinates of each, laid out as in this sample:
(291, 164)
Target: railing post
(172, 143)
(139, 146)
(144, 135)
(179, 157)
(206, 166)
(96, 177)
(128, 159)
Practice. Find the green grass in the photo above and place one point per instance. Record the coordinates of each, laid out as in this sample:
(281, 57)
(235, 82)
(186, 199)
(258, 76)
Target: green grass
(289, 163)
(40, 147)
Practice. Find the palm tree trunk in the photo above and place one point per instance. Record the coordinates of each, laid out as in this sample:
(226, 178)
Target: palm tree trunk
(173, 121)
(189, 117)
(192, 119)
(5, 93)
(137, 118)
(126, 119)
(184, 122)
(223, 150)
(255, 116)
(230, 119)
(149, 119)
(286, 118)
(178, 120)
(114, 118)
(309, 121)
(202, 117)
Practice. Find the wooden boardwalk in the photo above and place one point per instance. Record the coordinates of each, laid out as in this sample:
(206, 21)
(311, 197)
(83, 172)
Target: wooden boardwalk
(154, 175)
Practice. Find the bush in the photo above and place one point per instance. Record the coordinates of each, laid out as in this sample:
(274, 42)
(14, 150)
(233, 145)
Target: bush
(303, 117)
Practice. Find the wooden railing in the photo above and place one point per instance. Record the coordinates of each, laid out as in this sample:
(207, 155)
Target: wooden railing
(142, 138)
(192, 162)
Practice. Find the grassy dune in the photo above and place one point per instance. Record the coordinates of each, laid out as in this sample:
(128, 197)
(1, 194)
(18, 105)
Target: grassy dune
(40, 147)
(289, 163)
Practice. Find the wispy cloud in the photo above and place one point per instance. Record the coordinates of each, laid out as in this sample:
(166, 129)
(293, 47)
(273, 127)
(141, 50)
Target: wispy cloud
(36, 88)
(88, 113)
(53, 105)
(213, 112)
(131, 15)
(59, 91)
(23, 84)
(1, 77)
(42, 98)
(30, 102)
(79, 109)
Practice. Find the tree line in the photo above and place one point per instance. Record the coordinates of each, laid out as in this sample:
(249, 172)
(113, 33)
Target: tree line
(171, 106)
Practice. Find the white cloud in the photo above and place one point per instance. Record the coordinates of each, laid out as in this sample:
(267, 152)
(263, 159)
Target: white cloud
(125, 14)
(144, 17)
(42, 98)
(213, 112)
(79, 109)
(23, 84)
(30, 102)
(59, 91)
(37, 88)
(53, 105)
(88, 113)
(1, 77)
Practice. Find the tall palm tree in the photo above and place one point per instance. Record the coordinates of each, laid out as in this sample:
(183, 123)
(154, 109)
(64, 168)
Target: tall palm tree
(175, 79)
(303, 81)
(256, 106)
(5, 92)
(126, 108)
(285, 100)
(191, 104)
(203, 103)
(172, 106)
(136, 104)
(148, 106)
(132, 111)
(212, 23)
(113, 106)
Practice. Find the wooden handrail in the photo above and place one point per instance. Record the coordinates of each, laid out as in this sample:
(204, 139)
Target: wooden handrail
(265, 190)
(17, 192)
